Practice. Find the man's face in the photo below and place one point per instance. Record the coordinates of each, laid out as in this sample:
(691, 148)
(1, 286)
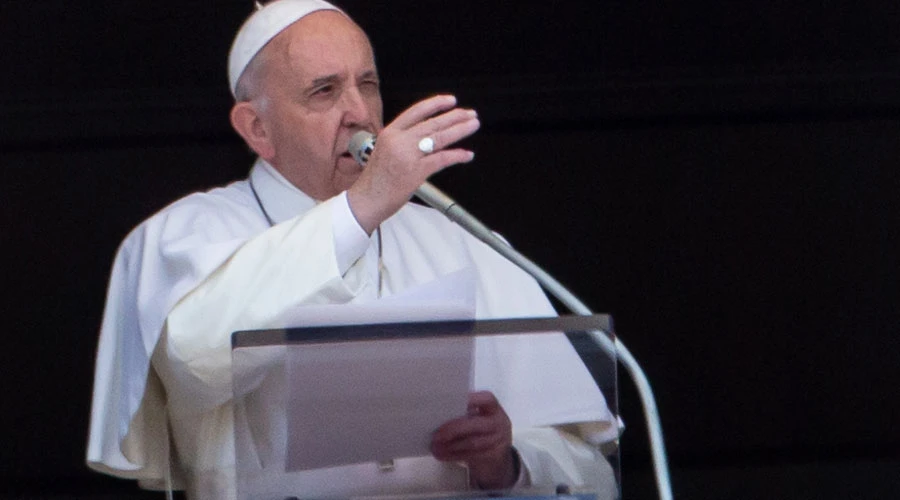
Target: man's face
(320, 86)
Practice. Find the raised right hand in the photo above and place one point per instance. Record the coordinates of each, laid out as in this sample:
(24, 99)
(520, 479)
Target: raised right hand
(397, 167)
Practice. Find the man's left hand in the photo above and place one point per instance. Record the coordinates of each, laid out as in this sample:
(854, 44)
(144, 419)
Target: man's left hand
(482, 440)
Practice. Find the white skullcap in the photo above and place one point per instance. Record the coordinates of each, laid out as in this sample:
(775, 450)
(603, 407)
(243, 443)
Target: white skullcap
(262, 26)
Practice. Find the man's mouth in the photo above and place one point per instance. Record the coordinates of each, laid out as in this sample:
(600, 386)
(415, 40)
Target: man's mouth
(347, 161)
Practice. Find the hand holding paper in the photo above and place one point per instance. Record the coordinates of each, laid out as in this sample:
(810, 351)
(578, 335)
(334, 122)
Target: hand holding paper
(483, 440)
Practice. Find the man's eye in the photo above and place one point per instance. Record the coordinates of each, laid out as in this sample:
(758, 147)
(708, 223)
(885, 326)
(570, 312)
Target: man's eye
(369, 85)
(324, 90)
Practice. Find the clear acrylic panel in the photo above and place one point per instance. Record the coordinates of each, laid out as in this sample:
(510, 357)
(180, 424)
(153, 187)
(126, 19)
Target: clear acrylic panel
(348, 411)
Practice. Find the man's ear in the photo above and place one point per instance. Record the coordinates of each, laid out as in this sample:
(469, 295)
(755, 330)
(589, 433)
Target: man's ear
(246, 120)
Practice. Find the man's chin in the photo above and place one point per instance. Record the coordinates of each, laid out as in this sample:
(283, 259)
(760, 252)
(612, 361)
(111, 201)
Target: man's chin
(346, 173)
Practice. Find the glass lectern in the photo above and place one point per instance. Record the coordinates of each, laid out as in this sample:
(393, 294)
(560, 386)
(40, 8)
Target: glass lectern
(348, 411)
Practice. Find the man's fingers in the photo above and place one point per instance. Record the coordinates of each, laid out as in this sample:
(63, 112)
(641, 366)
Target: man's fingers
(467, 437)
(484, 401)
(421, 110)
(462, 427)
(492, 425)
(469, 447)
(439, 160)
(451, 134)
(439, 123)
(482, 439)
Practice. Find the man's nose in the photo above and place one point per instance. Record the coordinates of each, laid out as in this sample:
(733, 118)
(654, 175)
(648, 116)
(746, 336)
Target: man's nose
(356, 109)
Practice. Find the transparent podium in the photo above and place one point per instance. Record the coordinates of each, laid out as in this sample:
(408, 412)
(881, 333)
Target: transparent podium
(349, 411)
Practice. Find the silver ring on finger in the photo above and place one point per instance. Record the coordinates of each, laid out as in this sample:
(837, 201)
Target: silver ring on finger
(426, 145)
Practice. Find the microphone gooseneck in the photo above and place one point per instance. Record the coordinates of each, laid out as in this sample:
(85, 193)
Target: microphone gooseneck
(361, 146)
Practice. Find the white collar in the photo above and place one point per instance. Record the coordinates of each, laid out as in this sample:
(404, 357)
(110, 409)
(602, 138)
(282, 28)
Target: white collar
(280, 199)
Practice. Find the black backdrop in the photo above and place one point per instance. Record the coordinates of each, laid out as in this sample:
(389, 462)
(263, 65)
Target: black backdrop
(720, 176)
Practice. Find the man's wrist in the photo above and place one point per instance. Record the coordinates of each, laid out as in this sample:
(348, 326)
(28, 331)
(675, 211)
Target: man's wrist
(512, 475)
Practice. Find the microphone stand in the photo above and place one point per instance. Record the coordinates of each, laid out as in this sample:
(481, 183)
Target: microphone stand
(446, 205)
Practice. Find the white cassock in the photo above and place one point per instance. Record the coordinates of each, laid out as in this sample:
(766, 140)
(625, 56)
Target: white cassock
(210, 264)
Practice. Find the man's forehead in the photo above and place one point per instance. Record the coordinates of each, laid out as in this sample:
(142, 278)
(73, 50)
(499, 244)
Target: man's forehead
(321, 43)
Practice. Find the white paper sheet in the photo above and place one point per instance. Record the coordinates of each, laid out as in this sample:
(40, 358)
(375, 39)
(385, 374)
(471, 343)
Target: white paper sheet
(353, 402)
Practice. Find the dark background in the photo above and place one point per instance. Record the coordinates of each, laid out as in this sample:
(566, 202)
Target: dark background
(720, 176)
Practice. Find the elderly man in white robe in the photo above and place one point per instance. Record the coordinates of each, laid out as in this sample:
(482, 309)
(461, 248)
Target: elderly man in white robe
(310, 226)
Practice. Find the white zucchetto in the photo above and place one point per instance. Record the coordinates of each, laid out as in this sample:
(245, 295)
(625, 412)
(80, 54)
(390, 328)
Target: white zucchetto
(263, 26)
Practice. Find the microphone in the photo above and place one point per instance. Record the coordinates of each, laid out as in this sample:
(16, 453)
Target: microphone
(361, 146)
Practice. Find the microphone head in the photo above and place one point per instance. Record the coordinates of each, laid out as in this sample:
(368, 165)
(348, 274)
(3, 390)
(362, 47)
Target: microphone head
(361, 146)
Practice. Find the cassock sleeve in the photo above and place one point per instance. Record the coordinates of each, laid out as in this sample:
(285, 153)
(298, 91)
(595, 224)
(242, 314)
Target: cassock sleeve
(550, 457)
(294, 263)
(206, 260)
